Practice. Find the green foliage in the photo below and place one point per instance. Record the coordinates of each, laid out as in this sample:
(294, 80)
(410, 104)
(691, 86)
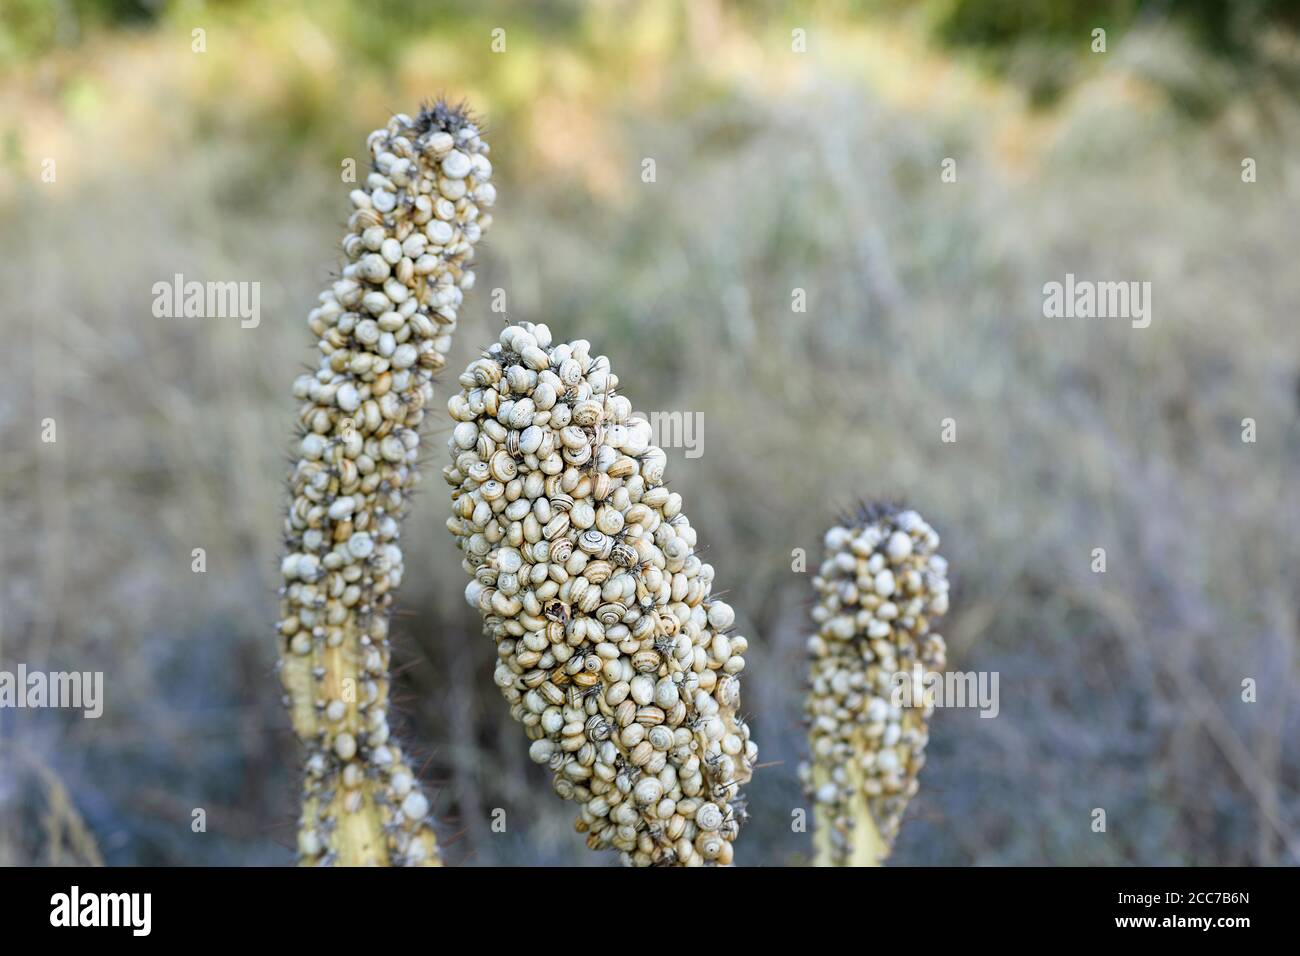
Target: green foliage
(1227, 28)
(1045, 46)
(30, 28)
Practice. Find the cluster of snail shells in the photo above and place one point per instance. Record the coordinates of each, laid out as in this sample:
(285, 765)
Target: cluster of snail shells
(384, 328)
(610, 650)
(880, 589)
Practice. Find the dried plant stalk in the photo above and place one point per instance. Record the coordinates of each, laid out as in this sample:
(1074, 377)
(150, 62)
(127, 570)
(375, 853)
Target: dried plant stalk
(610, 650)
(880, 589)
(384, 329)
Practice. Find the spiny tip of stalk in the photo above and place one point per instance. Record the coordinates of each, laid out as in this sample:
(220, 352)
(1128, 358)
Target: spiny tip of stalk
(440, 114)
(871, 512)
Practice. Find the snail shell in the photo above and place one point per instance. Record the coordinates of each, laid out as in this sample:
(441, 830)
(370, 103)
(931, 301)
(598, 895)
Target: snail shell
(503, 467)
(666, 694)
(660, 737)
(708, 816)
(588, 413)
(578, 456)
(625, 713)
(646, 661)
(648, 791)
(519, 378)
(598, 728)
(641, 754)
(486, 372)
(531, 440)
(556, 526)
(711, 846)
(644, 628)
(650, 716)
(609, 520)
(728, 691)
(595, 543)
(570, 372)
(611, 613)
(573, 437)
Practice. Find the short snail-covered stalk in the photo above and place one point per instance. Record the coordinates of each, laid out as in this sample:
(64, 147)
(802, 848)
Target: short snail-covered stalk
(880, 589)
(384, 329)
(610, 650)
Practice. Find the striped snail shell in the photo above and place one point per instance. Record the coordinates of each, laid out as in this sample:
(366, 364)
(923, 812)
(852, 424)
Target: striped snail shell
(611, 613)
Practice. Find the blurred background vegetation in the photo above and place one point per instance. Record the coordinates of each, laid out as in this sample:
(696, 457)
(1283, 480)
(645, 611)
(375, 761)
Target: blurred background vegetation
(776, 170)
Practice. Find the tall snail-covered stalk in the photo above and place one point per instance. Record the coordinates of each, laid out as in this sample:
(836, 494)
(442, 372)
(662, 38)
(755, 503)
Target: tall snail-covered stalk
(880, 589)
(610, 650)
(384, 329)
